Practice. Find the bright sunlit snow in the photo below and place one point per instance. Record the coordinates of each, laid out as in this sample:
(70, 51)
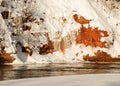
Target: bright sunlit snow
(55, 17)
(74, 80)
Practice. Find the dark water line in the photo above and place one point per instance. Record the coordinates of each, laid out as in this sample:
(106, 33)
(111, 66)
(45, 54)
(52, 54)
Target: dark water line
(8, 72)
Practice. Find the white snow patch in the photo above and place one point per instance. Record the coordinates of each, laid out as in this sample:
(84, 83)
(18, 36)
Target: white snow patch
(72, 80)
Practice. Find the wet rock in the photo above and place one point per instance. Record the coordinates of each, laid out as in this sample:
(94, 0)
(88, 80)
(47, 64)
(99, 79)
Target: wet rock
(27, 50)
(26, 27)
(28, 19)
(5, 14)
(6, 58)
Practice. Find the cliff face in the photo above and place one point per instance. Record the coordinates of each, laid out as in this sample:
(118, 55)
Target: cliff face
(50, 31)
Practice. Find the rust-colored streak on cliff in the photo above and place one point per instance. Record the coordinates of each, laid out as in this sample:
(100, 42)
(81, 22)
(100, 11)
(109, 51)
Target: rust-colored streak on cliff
(89, 36)
(47, 48)
(62, 45)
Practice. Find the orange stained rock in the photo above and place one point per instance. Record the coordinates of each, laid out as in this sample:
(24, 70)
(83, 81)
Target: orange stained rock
(47, 48)
(6, 58)
(101, 56)
(81, 20)
(89, 36)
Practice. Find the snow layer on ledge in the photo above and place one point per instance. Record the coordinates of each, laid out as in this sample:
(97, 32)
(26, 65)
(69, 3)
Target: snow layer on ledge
(74, 80)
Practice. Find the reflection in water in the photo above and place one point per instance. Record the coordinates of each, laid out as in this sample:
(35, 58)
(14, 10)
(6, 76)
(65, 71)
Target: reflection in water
(8, 72)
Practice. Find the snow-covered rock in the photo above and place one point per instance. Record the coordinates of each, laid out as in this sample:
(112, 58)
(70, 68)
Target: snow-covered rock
(38, 24)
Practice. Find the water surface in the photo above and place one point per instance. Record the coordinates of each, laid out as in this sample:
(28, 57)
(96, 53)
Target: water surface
(8, 72)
